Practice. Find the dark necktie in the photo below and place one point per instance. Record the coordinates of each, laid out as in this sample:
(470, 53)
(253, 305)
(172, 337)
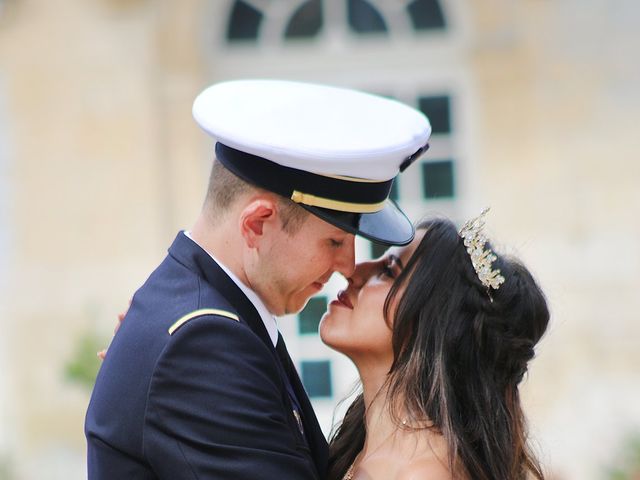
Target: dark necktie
(285, 360)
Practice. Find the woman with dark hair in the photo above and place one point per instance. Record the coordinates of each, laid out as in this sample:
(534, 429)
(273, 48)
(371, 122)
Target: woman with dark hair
(441, 332)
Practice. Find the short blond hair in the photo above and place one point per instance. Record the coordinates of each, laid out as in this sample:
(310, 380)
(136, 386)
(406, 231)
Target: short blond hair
(225, 188)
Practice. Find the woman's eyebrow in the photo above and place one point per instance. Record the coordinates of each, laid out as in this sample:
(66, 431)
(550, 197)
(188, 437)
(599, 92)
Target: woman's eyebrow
(397, 260)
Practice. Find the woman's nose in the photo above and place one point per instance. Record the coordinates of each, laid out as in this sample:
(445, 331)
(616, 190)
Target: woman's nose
(362, 273)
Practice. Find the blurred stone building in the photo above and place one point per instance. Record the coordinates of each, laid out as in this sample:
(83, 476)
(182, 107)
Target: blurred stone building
(535, 106)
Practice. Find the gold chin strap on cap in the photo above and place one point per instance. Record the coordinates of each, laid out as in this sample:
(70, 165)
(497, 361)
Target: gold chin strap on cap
(350, 179)
(315, 201)
(200, 313)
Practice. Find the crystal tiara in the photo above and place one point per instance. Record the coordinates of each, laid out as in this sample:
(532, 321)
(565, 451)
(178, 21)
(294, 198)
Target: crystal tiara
(481, 257)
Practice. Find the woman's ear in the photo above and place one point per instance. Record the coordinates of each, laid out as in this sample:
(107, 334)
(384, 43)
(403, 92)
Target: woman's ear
(253, 218)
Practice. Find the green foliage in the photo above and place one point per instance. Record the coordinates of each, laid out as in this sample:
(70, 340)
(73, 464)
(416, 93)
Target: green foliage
(627, 466)
(6, 470)
(83, 366)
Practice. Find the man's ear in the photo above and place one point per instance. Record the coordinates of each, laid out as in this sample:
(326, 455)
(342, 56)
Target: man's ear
(253, 218)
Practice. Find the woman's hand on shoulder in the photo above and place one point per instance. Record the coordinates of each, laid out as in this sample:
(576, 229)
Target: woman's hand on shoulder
(103, 353)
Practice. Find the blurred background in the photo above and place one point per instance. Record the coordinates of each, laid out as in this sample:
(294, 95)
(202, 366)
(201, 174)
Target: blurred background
(536, 111)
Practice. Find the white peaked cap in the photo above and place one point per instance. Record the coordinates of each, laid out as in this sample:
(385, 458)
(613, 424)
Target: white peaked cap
(321, 129)
(334, 151)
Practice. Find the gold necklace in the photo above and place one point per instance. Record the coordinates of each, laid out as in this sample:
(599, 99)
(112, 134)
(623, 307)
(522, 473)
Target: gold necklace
(352, 468)
(349, 474)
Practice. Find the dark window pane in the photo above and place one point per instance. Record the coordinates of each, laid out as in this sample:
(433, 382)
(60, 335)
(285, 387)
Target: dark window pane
(244, 22)
(438, 110)
(316, 378)
(306, 22)
(309, 318)
(437, 179)
(378, 249)
(364, 18)
(426, 14)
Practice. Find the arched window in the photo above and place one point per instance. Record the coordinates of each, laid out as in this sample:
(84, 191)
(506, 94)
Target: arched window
(244, 22)
(364, 17)
(306, 21)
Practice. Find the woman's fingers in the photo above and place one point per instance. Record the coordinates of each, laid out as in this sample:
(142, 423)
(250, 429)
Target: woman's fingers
(103, 353)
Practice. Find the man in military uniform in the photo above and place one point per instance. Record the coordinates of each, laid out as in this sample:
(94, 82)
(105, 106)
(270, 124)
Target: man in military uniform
(198, 382)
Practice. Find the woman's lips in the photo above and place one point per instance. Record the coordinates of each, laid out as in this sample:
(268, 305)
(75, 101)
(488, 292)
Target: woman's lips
(343, 300)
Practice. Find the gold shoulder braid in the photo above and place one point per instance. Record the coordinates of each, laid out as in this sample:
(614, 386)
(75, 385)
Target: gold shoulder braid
(481, 258)
(200, 313)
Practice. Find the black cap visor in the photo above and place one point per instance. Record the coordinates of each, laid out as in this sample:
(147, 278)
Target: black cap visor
(389, 226)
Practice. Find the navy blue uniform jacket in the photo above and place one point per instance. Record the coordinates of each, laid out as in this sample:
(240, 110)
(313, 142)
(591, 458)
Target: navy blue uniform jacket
(210, 400)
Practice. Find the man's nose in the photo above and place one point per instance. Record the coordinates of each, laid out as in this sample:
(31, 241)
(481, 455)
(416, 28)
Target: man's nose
(345, 261)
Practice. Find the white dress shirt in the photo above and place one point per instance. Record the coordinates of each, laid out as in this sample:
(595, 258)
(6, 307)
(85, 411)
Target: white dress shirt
(267, 318)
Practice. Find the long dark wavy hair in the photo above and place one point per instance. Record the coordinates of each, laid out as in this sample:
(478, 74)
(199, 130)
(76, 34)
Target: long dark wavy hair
(460, 353)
